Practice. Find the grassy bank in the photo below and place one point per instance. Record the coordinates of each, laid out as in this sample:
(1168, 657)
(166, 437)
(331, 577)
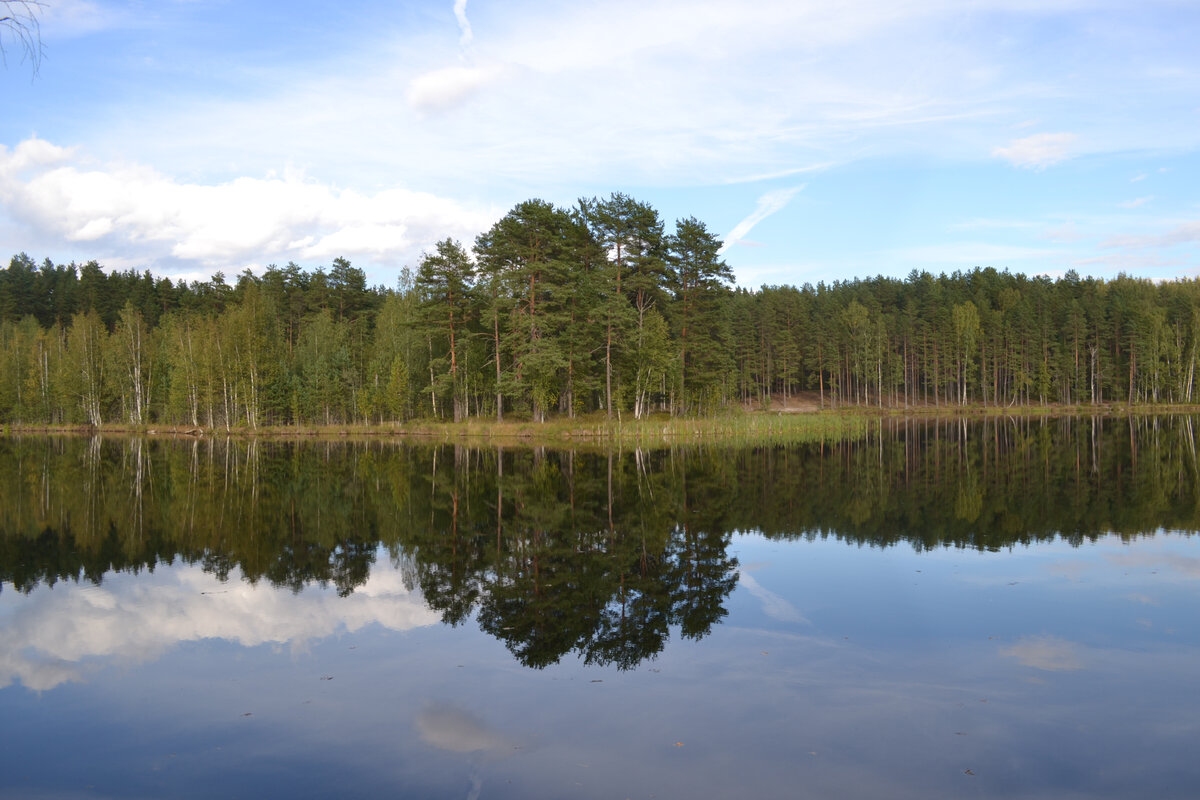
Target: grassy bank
(597, 430)
(739, 427)
(1047, 410)
(732, 428)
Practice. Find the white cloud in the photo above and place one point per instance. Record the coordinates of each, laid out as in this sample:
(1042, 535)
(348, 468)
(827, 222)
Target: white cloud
(59, 635)
(29, 154)
(768, 204)
(1136, 203)
(1038, 151)
(130, 208)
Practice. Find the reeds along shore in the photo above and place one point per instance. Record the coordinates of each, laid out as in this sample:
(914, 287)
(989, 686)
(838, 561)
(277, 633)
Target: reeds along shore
(593, 430)
(738, 428)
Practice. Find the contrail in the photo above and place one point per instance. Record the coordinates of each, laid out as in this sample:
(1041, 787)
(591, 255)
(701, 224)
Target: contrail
(464, 24)
(768, 204)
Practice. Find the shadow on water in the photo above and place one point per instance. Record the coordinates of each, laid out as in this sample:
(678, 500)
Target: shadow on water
(557, 551)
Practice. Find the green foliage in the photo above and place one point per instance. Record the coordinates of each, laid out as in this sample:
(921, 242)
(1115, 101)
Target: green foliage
(697, 278)
(444, 283)
(570, 312)
(527, 256)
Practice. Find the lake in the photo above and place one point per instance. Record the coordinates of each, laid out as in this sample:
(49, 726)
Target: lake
(995, 608)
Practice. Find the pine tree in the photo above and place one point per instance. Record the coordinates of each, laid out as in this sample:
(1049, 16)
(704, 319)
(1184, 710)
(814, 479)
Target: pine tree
(698, 277)
(445, 284)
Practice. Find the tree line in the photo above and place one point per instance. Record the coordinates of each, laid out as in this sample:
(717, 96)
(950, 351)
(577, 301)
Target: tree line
(564, 311)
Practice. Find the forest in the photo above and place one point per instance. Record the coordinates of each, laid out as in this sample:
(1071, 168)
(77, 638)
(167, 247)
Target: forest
(594, 309)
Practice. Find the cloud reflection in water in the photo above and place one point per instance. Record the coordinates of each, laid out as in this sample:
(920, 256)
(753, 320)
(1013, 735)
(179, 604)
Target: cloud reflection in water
(62, 633)
(1048, 653)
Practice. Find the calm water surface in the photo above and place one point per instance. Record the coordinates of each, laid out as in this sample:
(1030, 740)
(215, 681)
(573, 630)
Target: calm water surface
(995, 609)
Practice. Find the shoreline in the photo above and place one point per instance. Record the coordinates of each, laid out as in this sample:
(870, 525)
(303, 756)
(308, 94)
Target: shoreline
(765, 424)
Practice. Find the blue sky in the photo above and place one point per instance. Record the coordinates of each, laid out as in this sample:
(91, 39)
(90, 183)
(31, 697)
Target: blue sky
(821, 140)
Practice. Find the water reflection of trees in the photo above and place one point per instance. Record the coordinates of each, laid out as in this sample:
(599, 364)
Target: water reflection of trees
(554, 552)
(558, 552)
(989, 484)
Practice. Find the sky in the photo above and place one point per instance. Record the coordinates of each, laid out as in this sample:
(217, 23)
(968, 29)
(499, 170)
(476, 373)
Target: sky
(821, 141)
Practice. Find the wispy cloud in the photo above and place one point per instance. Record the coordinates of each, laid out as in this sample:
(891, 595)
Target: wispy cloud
(69, 18)
(1038, 151)
(440, 89)
(630, 91)
(969, 254)
(1067, 232)
(1186, 233)
(792, 273)
(552, 100)
(1136, 203)
(768, 204)
(784, 173)
(996, 224)
(1126, 262)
